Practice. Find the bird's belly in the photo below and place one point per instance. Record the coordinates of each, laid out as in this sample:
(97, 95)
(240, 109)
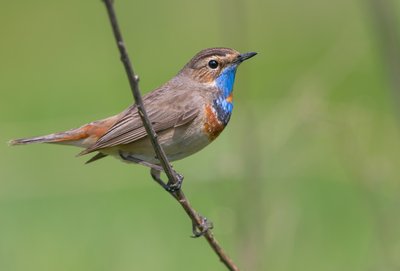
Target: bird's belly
(184, 141)
(177, 143)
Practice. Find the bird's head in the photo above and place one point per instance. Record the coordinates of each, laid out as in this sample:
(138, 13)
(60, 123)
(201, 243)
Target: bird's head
(216, 66)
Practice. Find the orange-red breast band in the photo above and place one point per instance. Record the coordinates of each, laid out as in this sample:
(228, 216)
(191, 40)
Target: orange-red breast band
(212, 126)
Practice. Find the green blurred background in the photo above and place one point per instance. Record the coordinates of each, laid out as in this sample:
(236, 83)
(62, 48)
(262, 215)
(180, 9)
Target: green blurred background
(306, 177)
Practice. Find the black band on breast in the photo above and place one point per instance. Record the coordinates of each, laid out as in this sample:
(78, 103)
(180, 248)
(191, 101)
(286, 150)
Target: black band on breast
(223, 114)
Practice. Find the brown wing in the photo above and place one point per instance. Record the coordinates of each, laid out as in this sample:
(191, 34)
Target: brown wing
(165, 111)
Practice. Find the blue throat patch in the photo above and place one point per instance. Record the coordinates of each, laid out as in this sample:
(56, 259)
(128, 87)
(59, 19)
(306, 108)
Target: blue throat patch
(226, 79)
(224, 83)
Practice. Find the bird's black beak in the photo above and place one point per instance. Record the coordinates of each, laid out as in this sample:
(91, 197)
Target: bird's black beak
(243, 57)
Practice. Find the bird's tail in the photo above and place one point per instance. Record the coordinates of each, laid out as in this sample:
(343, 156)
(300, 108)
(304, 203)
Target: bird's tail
(71, 137)
(83, 136)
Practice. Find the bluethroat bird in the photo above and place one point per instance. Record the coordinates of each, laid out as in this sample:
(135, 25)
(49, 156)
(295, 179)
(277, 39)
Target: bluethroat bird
(188, 112)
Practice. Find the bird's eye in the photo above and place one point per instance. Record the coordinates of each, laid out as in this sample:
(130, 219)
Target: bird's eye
(213, 64)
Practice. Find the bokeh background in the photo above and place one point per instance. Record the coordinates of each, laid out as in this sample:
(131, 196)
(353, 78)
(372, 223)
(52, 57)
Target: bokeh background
(306, 177)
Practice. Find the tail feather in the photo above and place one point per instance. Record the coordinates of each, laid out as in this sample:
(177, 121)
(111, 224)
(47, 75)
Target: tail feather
(83, 136)
(68, 137)
(22, 141)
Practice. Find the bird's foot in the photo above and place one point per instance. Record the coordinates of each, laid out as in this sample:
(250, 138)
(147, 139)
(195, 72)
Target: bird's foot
(200, 230)
(171, 187)
(175, 186)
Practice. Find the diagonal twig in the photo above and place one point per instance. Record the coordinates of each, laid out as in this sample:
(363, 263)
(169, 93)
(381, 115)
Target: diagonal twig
(198, 221)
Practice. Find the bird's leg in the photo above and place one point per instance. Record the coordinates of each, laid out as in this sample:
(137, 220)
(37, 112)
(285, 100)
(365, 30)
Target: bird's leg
(130, 158)
(203, 228)
(155, 173)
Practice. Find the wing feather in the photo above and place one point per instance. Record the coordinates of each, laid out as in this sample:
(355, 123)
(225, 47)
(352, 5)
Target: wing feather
(164, 111)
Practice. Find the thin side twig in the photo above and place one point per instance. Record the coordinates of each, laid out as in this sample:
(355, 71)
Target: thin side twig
(197, 220)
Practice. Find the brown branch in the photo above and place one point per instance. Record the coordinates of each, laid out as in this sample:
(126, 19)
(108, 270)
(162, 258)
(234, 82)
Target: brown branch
(198, 221)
